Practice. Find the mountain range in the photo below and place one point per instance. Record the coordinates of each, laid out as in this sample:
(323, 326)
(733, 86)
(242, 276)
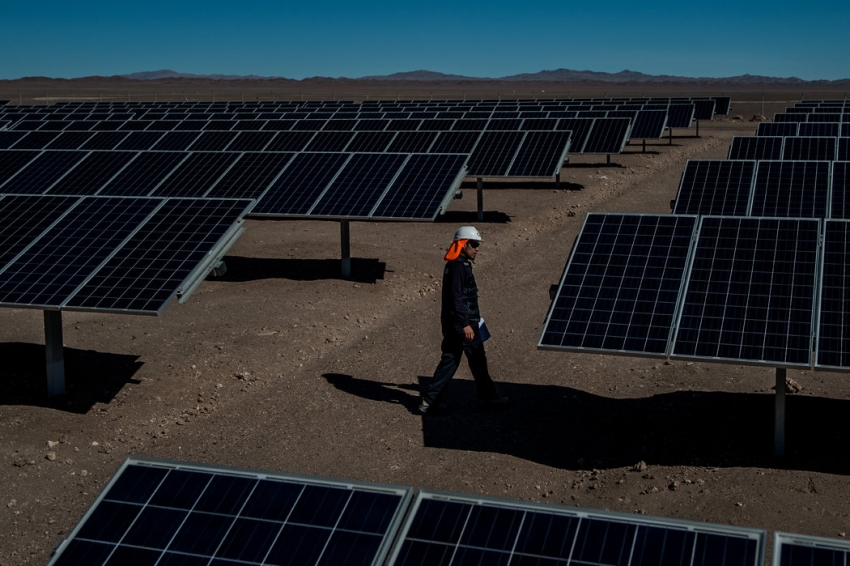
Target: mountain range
(557, 75)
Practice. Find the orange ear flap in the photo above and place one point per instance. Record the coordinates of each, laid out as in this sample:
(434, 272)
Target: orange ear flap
(454, 250)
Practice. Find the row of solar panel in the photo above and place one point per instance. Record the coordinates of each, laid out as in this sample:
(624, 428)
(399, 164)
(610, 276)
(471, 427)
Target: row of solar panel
(784, 129)
(111, 254)
(170, 513)
(751, 290)
(811, 148)
(251, 174)
(812, 117)
(680, 115)
(316, 185)
(795, 189)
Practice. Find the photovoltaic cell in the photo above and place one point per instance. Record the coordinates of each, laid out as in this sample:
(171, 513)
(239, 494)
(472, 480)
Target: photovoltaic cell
(423, 187)
(680, 115)
(833, 346)
(300, 184)
(359, 185)
(139, 141)
(541, 154)
(621, 285)
(715, 187)
(756, 147)
(290, 141)
(412, 142)
(49, 271)
(146, 272)
(329, 141)
(455, 142)
(843, 149)
(251, 141)
(9, 138)
(36, 140)
(175, 141)
(13, 161)
(69, 140)
(213, 141)
(750, 291)
(370, 142)
(580, 128)
(796, 189)
(104, 140)
(444, 529)
(178, 513)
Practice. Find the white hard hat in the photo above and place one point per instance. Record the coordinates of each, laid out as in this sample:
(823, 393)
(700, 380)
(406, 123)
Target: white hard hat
(467, 233)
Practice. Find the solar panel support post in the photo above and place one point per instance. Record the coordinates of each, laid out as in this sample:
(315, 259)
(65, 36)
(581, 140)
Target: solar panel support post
(779, 414)
(345, 239)
(53, 348)
(480, 184)
(670, 131)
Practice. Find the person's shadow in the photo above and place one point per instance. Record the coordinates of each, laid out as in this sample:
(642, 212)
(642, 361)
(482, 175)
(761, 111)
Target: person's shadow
(572, 429)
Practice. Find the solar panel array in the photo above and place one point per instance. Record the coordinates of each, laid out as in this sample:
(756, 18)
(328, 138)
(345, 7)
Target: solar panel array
(163, 512)
(798, 147)
(756, 290)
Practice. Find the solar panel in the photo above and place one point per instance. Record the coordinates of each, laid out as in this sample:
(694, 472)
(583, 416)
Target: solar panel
(541, 154)
(833, 341)
(455, 142)
(804, 550)
(9, 138)
(680, 115)
(750, 292)
(36, 140)
(251, 141)
(840, 202)
(423, 187)
(580, 128)
(715, 187)
(104, 140)
(138, 141)
(329, 141)
(175, 141)
(154, 511)
(809, 148)
(756, 147)
(608, 135)
(290, 141)
(703, 109)
(88, 176)
(142, 175)
(13, 161)
(195, 175)
(250, 175)
(412, 142)
(145, 274)
(780, 129)
(297, 188)
(359, 185)
(722, 104)
(649, 124)
(621, 285)
(493, 153)
(444, 528)
(69, 140)
(52, 268)
(822, 129)
(24, 218)
(40, 173)
(796, 189)
(843, 149)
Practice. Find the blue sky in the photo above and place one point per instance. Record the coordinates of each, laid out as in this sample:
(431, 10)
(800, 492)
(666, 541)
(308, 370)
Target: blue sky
(492, 38)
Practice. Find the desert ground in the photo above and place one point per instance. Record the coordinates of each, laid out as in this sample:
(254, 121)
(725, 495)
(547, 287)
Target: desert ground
(282, 365)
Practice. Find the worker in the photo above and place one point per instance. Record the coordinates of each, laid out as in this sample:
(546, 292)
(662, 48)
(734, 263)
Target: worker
(462, 327)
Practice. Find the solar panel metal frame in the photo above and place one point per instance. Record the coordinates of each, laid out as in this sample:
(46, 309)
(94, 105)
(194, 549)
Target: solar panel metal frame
(508, 543)
(783, 540)
(404, 493)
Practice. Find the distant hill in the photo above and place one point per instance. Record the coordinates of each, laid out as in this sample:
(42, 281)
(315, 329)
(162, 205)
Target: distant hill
(557, 75)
